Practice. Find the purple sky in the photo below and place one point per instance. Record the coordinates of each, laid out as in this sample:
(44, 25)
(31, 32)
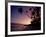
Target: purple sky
(17, 17)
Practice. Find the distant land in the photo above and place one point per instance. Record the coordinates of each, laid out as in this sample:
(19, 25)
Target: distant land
(18, 27)
(24, 27)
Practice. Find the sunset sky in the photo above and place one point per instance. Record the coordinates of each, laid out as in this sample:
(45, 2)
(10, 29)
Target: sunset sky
(17, 17)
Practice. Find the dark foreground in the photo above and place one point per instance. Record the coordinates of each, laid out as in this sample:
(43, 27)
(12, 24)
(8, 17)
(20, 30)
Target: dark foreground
(22, 27)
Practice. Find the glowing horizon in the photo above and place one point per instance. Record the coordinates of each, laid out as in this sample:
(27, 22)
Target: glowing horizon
(20, 18)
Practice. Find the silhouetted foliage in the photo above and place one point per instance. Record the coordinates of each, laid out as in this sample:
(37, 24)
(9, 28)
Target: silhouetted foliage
(20, 10)
(26, 11)
(33, 13)
(30, 8)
